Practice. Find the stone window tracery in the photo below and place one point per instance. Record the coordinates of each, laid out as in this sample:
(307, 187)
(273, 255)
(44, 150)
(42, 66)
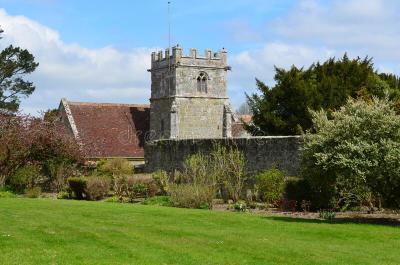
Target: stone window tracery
(202, 82)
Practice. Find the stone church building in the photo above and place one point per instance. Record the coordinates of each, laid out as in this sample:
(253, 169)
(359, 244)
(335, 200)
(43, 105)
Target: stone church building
(188, 101)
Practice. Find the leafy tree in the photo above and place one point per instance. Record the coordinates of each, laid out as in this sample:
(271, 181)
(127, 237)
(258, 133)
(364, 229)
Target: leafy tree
(15, 63)
(244, 109)
(354, 158)
(284, 108)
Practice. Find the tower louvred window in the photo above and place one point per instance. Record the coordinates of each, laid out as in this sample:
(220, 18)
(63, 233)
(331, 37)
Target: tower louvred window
(202, 83)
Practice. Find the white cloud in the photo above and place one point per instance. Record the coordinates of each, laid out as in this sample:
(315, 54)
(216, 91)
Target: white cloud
(312, 30)
(315, 30)
(364, 26)
(75, 72)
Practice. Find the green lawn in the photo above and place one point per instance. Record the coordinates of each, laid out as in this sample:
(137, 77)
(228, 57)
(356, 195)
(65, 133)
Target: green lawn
(44, 231)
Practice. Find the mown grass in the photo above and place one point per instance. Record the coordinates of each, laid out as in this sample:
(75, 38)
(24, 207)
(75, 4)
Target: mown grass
(44, 231)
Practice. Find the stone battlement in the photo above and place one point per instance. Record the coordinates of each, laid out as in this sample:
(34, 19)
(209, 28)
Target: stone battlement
(177, 53)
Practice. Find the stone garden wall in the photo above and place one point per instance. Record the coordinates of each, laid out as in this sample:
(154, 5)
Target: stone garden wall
(260, 152)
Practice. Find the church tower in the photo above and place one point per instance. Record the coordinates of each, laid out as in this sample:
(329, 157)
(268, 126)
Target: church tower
(189, 95)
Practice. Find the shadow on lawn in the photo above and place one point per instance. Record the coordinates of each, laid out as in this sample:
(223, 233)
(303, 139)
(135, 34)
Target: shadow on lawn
(339, 220)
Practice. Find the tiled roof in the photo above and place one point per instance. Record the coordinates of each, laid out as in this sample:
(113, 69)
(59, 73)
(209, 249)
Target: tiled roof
(237, 126)
(107, 129)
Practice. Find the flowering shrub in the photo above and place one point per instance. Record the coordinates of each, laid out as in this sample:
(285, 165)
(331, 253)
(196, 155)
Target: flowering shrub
(353, 159)
(26, 140)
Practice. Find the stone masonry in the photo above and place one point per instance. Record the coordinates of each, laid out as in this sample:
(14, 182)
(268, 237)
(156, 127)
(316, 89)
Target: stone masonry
(261, 153)
(189, 95)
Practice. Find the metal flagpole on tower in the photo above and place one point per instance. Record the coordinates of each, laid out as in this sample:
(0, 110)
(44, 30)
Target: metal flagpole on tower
(169, 26)
(169, 50)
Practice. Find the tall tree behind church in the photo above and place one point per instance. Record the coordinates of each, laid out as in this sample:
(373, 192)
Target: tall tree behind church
(284, 108)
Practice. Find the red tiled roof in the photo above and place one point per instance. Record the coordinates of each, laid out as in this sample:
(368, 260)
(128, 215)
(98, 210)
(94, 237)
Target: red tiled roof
(111, 130)
(237, 127)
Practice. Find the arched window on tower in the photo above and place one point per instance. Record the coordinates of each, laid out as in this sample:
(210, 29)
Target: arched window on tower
(202, 83)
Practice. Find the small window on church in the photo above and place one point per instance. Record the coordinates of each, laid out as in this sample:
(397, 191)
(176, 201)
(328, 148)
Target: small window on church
(202, 83)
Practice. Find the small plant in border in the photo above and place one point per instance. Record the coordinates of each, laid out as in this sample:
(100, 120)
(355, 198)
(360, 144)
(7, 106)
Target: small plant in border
(327, 215)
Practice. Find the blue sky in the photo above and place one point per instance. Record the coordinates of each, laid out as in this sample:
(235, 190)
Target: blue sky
(125, 24)
(99, 50)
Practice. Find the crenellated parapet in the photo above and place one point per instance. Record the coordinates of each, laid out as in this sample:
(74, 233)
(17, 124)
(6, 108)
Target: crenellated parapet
(177, 57)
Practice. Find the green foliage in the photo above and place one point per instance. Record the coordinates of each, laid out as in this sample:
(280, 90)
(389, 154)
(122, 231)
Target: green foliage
(141, 186)
(33, 192)
(113, 199)
(119, 186)
(136, 186)
(198, 196)
(297, 189)
(6, 194)
(227, 167)
(15, 63)
(77, 185)
(197, 170)
(283, 108)
(58, 171)
(270, 185)
(203, 176)
(353, 159)
(63, 195)
(161, 179)
(327, 215)
(114, 167)
(158, 200)
(97, 188)
(24, 178)
(239, 206)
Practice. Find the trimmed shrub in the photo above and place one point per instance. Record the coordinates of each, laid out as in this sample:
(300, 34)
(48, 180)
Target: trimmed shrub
(114, 167)
(63, 195)
(77, 185)
(191, 196)
(133, 187)
(140, 187)
(270, 185)
(33, 192)
(97, 188)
